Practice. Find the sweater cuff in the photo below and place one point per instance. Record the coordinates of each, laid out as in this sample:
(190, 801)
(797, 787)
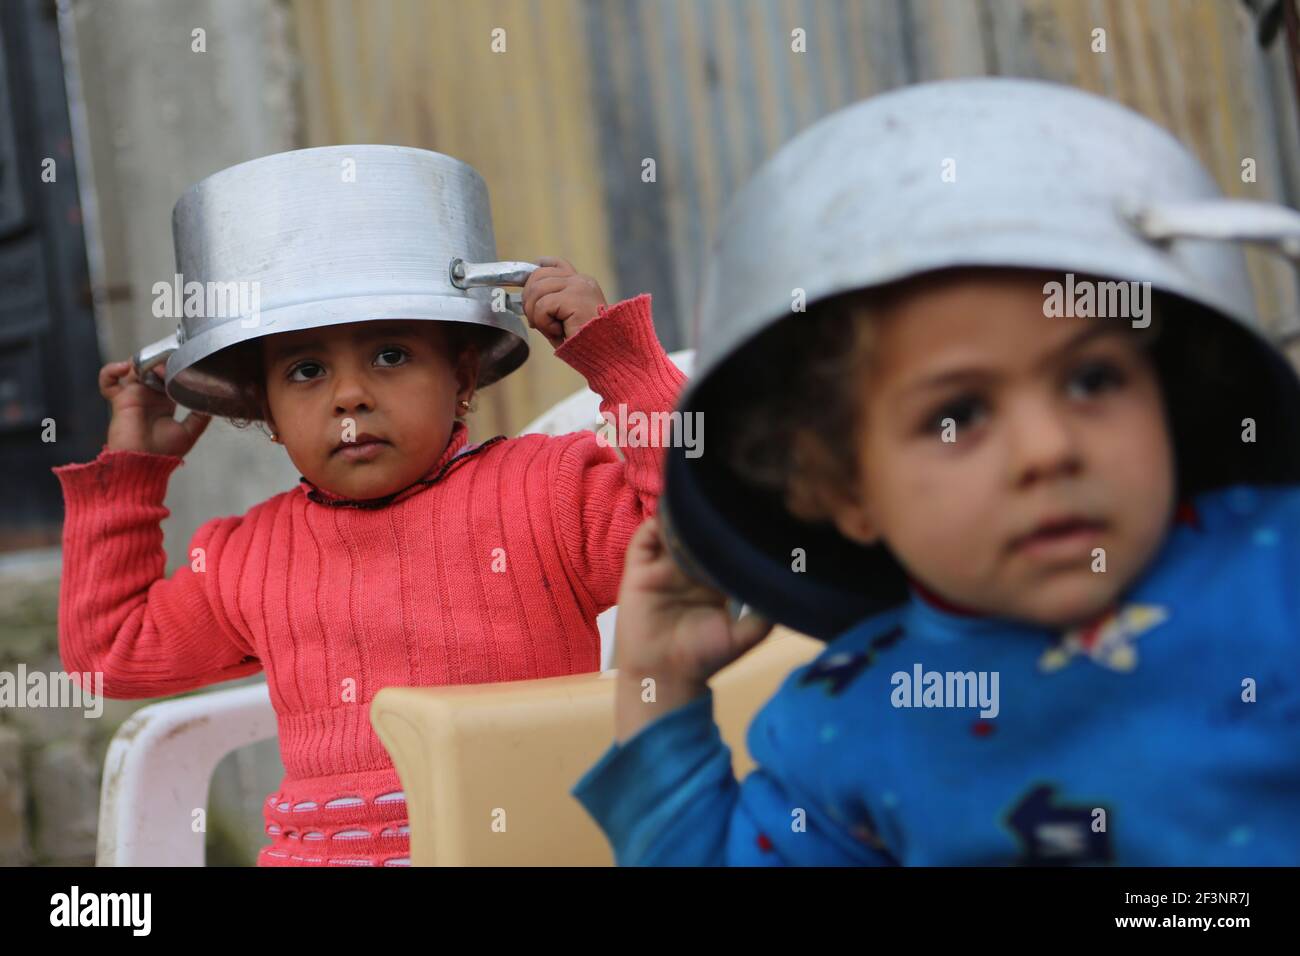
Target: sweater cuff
(636, 779)
(619, 353)
(115, 475)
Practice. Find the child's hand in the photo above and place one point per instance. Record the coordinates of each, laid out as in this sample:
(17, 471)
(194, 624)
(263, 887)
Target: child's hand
(142, 417)
(558, 301)
(669, 630)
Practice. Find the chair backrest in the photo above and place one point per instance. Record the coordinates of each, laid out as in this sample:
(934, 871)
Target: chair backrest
(159, 770)
(487, 769)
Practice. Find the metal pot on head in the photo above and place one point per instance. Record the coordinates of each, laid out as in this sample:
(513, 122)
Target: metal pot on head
(1044, 176)
(327, 236)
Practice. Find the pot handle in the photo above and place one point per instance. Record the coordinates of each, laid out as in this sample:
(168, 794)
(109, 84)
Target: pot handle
(144, 360)
(468, 275)
(1275, 227)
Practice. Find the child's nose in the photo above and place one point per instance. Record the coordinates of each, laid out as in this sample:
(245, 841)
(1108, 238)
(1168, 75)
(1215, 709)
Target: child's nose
(352, 390)
(1044, 442)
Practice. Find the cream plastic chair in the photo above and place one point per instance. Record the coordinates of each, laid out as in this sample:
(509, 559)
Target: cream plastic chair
(160, 762)
(487, 768)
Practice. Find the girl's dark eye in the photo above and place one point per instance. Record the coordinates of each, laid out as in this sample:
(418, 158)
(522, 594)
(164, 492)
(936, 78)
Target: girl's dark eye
(298, 368)
(392, 350)
(964, 413)
(1095, 377)
(387, 357)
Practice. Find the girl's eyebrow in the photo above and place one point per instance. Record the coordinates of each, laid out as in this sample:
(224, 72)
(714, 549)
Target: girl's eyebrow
(1104, 327)
(973, 375)
(368, 332)
(282, 352)
(955, 376)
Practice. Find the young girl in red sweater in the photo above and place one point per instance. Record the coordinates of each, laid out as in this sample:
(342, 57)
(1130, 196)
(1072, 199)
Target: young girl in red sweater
(404, 557)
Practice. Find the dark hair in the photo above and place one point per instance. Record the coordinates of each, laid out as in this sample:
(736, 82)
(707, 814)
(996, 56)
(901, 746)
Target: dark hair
(1213, 380)
(792, 402)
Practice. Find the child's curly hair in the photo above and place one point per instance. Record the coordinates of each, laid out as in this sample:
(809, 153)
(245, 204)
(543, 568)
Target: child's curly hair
(244, 363)
(794, 406)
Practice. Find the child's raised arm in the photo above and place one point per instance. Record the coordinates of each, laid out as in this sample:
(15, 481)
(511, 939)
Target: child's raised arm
(118, 615)
(664, 793)
(596, 500)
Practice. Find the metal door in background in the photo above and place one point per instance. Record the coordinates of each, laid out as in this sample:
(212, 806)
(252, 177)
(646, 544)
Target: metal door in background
(49, 354)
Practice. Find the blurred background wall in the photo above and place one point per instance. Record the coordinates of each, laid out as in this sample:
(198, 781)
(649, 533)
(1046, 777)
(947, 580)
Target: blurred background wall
(559, 123)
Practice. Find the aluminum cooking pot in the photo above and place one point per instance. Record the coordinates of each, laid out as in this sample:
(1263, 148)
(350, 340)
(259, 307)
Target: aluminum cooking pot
(1042, 176)
(326, 236)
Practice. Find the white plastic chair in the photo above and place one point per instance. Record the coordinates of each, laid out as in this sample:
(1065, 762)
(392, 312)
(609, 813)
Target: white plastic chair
(161, 760)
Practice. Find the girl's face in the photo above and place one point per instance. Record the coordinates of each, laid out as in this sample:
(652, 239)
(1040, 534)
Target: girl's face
(1060, 457)
(333, 389)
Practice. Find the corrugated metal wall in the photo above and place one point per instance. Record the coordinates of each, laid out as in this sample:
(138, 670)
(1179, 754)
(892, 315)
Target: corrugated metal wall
(586, 90)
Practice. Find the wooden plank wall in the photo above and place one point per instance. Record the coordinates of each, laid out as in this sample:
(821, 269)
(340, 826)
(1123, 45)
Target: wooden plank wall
(560, 123)
(420, 73)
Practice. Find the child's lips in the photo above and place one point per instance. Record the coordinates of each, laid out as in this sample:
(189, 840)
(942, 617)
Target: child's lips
(362, 451)
(1060, 539)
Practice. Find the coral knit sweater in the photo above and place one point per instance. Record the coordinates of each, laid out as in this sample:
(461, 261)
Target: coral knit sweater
(335, 600)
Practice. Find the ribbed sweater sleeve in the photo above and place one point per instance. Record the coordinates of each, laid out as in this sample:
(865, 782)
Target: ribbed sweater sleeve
(599, 500)
(149, 635)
